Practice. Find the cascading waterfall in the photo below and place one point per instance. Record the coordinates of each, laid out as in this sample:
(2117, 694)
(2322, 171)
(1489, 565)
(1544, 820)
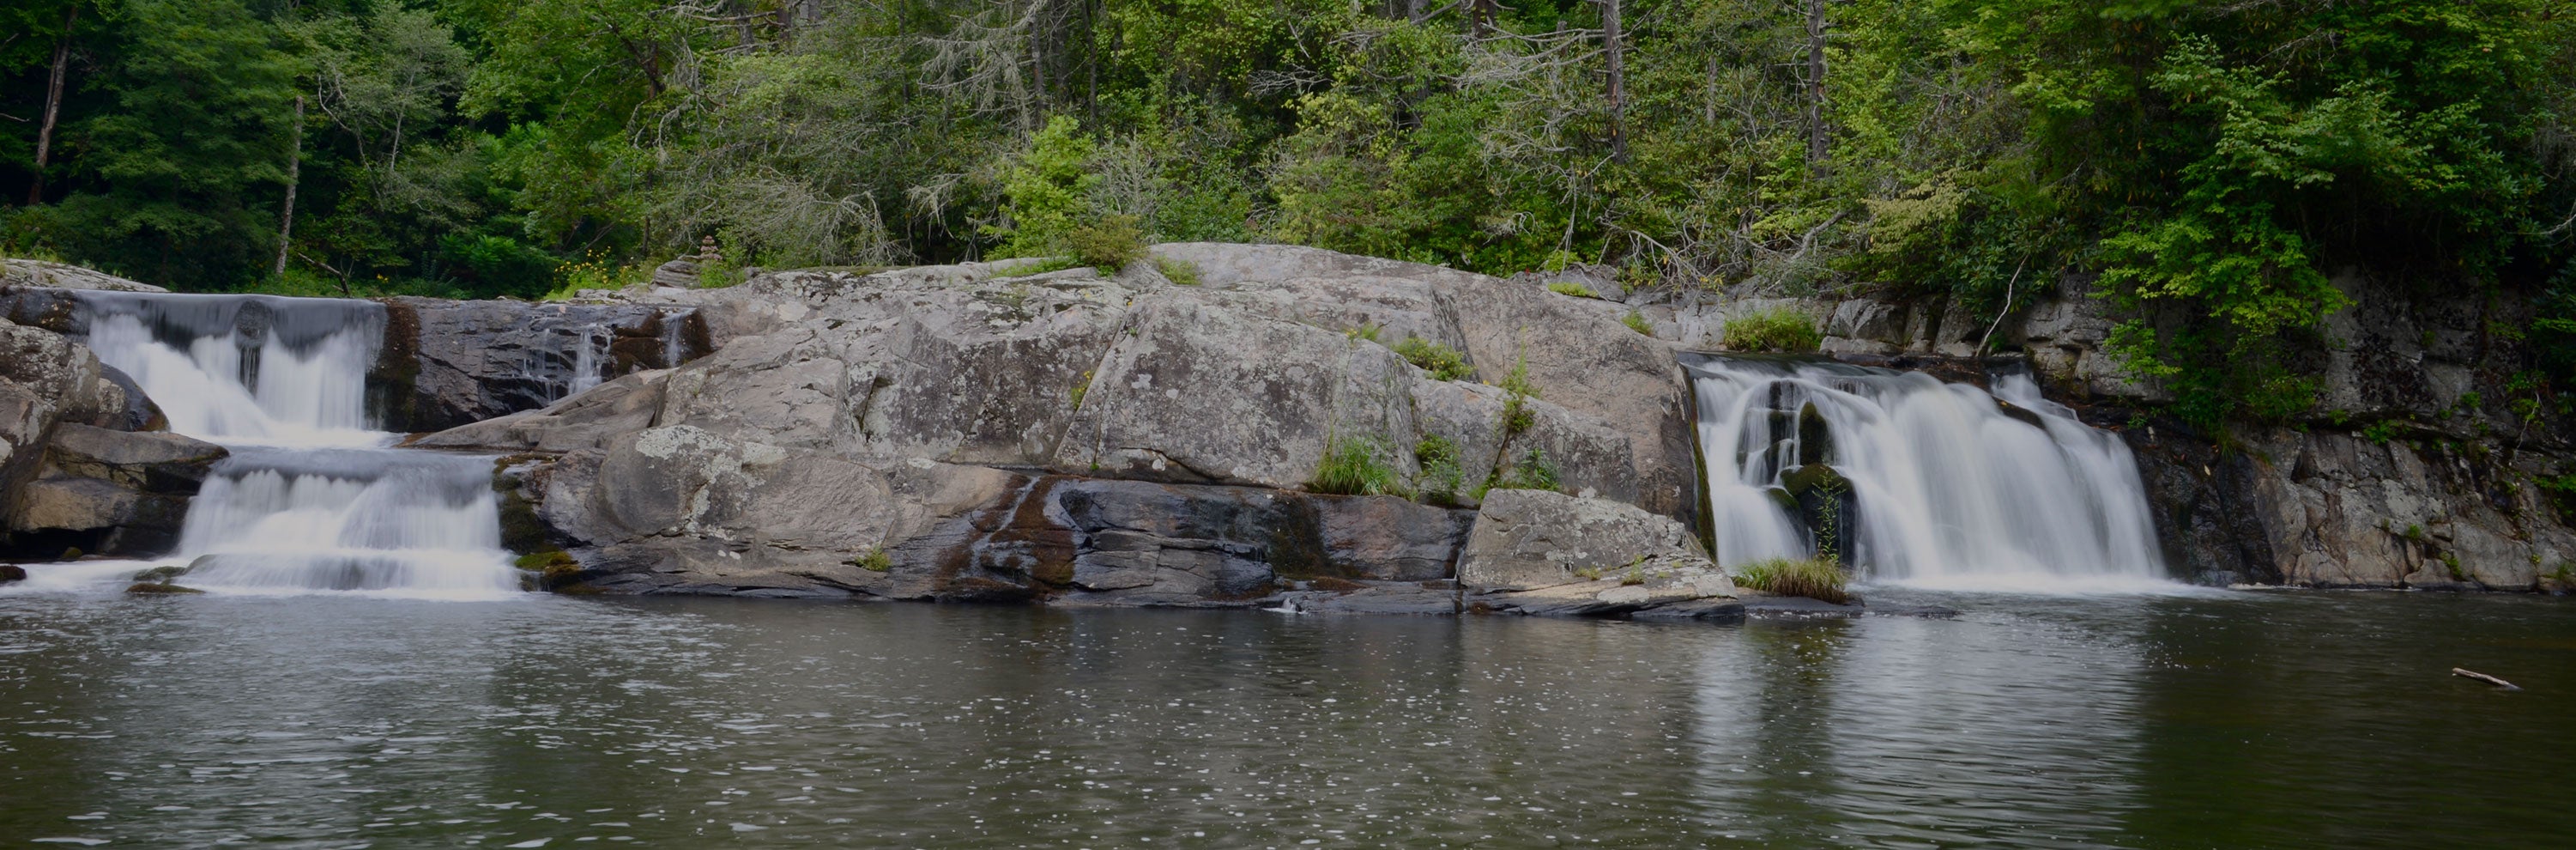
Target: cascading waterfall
(1909, 480)
(311, 499)
(244, 368)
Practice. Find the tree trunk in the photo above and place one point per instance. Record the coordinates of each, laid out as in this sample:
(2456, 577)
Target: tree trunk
(1611, 40)
(294, 176)
(1816, 81)
(53, 104)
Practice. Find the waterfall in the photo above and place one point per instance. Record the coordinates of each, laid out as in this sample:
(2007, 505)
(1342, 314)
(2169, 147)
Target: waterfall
(407, 523)
(1914, 481)
(310, 499)
(244, 368)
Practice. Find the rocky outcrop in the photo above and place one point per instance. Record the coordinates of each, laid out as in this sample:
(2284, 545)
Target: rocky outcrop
(2340, 510)
(110, 492)
(971, 433)
(73, 474)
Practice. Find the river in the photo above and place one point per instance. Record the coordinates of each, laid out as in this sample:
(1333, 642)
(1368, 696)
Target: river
(2207, 719)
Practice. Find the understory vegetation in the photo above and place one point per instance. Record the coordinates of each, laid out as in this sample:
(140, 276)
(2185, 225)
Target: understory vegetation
(2211, 167)
(1780, 329)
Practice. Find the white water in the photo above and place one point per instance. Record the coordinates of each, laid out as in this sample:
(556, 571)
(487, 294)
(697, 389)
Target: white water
(309, 395)
(1949, 489)
(310, 500)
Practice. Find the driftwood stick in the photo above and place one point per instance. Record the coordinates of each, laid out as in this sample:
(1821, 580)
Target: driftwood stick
(2455, 671)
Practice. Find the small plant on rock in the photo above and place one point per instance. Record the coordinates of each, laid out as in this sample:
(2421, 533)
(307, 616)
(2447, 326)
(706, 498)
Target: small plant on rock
(1441, 473)
(1444, 363)
(1567, 287)
(1179, 272)
(1531, 472)
(1636, 321)
(1354, 466)
(1814, 578)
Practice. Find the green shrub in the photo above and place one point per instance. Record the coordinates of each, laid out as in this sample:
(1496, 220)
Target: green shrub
(1636, 321)
(1180, 272)
(1367, 331)
(1108, 243)
(1779, 329)
(1567, 287)
(1444, 363)
(1517, 391)
(1354, 466)
(1814, 578)
(875, 561)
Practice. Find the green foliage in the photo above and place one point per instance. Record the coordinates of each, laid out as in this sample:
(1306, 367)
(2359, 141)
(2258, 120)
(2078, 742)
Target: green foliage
(1043, 191)
(1179, 272)
(1531, 471)
(1778, 329)
(1636, 321)
(2380, 432)
(1444, 363)
(2208, 166)
(1517, 391)
(876, 561)
(1367, 331)
(1442, 471)
(1567, 287)
(1355, 466)
(1814, 578)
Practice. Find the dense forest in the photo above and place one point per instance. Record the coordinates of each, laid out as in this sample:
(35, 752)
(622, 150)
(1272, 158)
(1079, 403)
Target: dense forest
(2210, 165)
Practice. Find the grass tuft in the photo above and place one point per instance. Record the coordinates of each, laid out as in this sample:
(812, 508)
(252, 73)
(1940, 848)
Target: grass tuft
(1814, 578)
(1355, 467)
(1180, 272)
(1636, 321)
(1567, 287)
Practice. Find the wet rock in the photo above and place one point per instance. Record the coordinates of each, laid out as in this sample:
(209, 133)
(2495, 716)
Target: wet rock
(12, 572)
(1656, 582)
(1400, 599)
(154, 588)
(1693, 610)
(1771, 606)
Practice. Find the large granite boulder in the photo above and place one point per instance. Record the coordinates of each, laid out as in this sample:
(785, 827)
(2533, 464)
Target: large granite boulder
(1530, 539)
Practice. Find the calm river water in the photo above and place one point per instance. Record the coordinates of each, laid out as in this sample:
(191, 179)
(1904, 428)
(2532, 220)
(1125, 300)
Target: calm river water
(2210, 720)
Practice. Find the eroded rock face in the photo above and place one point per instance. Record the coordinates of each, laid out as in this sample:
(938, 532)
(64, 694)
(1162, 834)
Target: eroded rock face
(2337, 510)
(451, 363)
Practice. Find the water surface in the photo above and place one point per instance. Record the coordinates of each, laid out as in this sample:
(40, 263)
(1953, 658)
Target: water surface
(2219, 720)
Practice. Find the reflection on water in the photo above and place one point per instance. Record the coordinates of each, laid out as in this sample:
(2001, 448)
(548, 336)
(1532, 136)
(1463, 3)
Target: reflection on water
(2278, 720)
